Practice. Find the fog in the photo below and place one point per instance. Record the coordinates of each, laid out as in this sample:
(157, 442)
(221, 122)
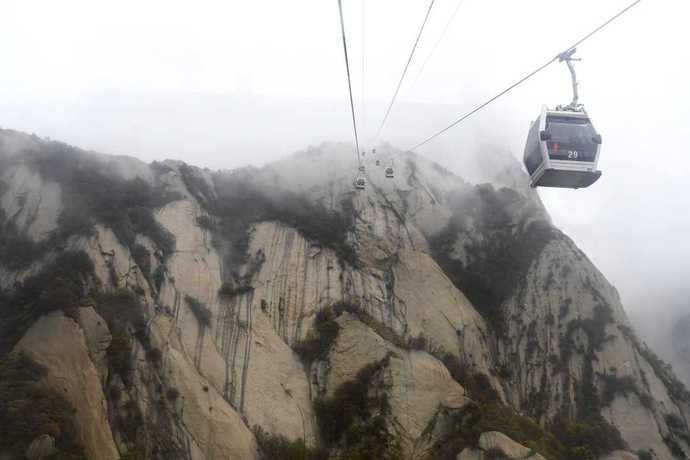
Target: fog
(228, 83)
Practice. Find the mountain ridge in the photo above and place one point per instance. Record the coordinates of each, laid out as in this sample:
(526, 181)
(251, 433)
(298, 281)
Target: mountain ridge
(258, 299)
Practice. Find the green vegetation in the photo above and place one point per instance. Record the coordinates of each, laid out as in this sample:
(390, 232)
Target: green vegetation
(93, 193)
(498, 263)
(142, 257)
(58, 286)
(234, 203)
(319, 340)
(128, 420)
(278, 447)
(90, 194)
(16, 250)
(585, 438)
(678, 427)
(419, 342)
(127, 320)
(241, 203)
(205, 222)
(675, 448)
(119, 352)
(125, 206)
(200, 189)
(564, 309)
(381, 329)
(201, 312)
(488, 413)
(595, 327)
(664, 371)
(123, 313)
(354, 418)
(644, 455)
(172, 394)
(229, 290)
(121, 306)
(565, 439)
(29, 408)
(590, 435)
(494, 416)
(614, 385)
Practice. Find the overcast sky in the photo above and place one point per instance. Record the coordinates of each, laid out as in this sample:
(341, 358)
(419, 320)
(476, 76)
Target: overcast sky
(226, 83)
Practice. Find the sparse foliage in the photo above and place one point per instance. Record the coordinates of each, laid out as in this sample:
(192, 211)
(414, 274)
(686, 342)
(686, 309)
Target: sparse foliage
(30, 408)
(279, 447)
(58, 286)
(356, 415)
(200, 311)
(498, 262)
(319, 340)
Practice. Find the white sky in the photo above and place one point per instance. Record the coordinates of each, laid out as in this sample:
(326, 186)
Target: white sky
(224, 83)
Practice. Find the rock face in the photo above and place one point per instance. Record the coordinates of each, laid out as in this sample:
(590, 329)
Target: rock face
(494, 444)
(498, 443)
(680, 342)
(41, 447)
(58, 343)
(226, 313)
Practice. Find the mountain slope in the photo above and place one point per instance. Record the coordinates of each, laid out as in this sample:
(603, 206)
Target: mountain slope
(278, 305)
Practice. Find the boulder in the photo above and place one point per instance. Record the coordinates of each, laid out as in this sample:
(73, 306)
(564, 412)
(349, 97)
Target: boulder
(58, 343)
(41, 447)
(497, 442)
(469, 453)
(97, 337)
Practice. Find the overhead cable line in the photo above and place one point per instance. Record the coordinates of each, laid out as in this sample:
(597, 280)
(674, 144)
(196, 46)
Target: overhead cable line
(349, 83)
(362, 111)
(440, 39)
(527, 77)
(402, 77)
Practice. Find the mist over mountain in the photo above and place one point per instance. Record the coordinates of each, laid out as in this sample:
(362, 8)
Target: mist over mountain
(665, 325)
(277, 312)
(230, 130)
(304, 231)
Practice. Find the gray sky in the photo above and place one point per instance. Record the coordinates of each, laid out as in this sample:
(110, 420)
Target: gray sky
(226, 83)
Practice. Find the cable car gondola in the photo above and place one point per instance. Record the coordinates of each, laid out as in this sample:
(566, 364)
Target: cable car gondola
(562, 148)
(389, 172)
(360, 183)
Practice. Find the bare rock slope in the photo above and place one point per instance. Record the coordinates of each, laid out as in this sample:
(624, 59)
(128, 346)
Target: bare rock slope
(182, 313)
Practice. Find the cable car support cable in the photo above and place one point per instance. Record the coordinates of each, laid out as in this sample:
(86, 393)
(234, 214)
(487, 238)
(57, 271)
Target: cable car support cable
(528, 76)
(440, 39)
(349, 83)
(363, 119)
(407, 65)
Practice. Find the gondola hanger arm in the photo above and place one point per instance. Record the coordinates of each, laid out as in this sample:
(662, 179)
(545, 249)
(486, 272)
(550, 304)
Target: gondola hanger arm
(567, 57)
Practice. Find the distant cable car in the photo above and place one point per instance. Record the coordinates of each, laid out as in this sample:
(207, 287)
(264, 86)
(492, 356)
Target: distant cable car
(378, 162)
(562, 148)
(360, 183)
(389, 172)
(361, 168)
